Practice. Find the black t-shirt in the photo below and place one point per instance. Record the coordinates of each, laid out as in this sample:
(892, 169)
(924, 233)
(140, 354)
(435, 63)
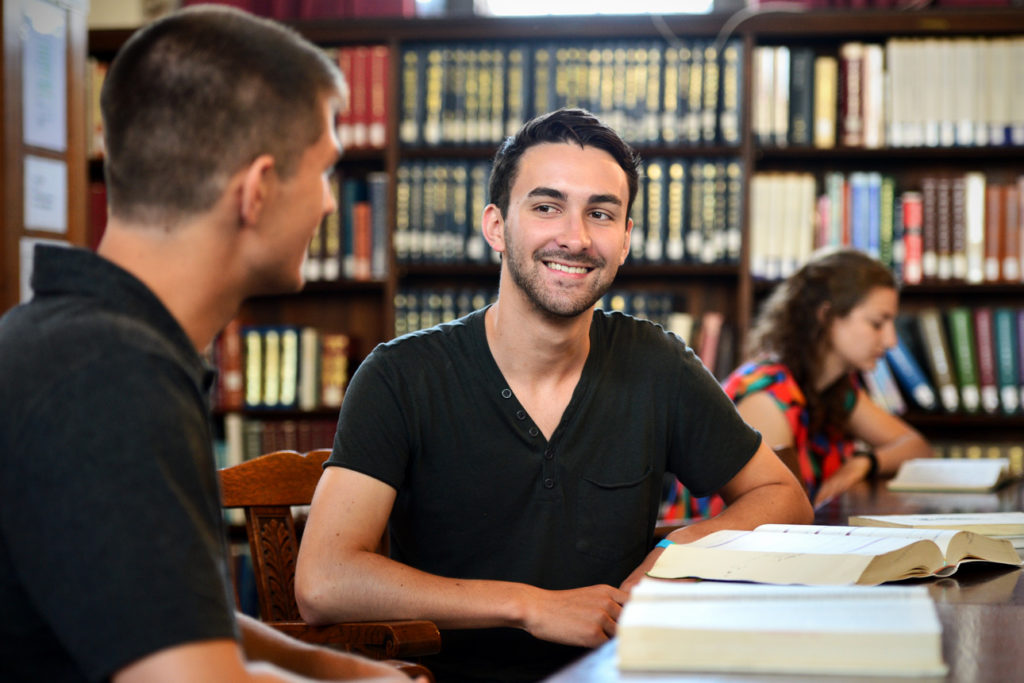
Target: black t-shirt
(111, 540)
(482, 494)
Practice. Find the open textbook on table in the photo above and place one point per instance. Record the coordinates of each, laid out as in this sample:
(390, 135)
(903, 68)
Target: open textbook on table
(829, 555)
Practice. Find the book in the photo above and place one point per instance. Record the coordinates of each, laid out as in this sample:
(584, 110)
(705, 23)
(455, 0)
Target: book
(817, 555)
(732, 627)
(985, 346)
(826, 77)
(908, 373)
(937, 355)
(1007, 359)
(1003, 525)
(965, 356)
(951, 474)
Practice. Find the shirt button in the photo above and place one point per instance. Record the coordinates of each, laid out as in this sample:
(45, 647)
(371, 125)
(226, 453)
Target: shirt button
(549, 483)
(534, 431)
(548, 454)
(506, 393)
(520, 415)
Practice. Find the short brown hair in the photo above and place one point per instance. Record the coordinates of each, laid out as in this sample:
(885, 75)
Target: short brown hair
(195, 96)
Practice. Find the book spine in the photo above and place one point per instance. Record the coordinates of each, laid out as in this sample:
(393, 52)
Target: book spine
(929, 227)
(675, 247)
(910, 375)
(965, 358)
(654, 235)
(1007, 359)
(944, 228)
(995, 229)
(937, 353)
(826, 77)
(984, 334)
(1011, 267)
(974, 213)
(801, 98)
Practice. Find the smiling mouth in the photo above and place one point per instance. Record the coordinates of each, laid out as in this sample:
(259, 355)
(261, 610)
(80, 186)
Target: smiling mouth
(561, 267)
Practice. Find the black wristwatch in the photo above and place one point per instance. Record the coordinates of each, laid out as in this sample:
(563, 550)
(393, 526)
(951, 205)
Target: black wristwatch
(870, 455)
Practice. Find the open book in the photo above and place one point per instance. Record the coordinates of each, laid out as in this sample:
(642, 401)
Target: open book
(1008, 525)
(951, 474)
(828, 555)
(736, 627)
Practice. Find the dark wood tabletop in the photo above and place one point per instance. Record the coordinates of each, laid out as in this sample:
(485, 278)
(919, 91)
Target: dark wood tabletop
(981, 606)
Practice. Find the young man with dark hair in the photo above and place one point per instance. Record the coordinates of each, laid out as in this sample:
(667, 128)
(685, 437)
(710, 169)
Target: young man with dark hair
(516, 455)
(113, 563)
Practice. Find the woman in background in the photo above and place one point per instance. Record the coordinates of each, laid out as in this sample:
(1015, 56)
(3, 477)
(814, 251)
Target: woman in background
(828, 321)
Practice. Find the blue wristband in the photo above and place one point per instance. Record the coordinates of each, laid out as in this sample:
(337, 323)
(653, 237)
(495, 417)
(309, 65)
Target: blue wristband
(664, 543)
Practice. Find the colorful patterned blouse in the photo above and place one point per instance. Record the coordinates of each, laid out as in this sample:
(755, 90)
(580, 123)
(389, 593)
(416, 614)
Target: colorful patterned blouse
(820, 454)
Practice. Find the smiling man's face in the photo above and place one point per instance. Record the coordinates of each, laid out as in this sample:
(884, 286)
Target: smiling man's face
(567, 229)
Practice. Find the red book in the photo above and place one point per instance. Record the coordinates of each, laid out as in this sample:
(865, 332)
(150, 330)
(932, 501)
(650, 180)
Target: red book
(984, 342)
(362, 242)
(912, 206)
(995, 229)
(230, 371)
(383, 8)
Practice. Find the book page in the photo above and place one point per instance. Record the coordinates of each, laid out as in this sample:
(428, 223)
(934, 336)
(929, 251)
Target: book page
(941, 537)
(799, 558)
(950, 474)
(989, 523)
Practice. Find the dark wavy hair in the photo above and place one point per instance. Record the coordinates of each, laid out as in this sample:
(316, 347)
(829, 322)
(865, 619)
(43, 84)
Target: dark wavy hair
(793, 323)
(576, 126)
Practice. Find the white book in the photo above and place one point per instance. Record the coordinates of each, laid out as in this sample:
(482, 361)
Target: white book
(1006, 525)
(951, 474)
(729, 627)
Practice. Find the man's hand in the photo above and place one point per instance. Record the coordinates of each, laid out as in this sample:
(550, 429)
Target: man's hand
(582, 616)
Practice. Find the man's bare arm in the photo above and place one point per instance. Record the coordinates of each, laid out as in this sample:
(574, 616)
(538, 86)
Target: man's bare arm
(340, 577)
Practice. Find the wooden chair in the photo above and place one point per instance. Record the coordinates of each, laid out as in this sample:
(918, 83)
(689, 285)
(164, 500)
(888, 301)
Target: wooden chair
(266, 487)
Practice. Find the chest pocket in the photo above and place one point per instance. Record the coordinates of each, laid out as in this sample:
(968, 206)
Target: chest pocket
(613, 512)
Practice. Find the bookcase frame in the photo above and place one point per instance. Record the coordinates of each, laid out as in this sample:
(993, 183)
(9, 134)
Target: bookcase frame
(366, 310)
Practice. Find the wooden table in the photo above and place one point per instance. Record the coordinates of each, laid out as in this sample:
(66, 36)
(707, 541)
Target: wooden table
(981, 607)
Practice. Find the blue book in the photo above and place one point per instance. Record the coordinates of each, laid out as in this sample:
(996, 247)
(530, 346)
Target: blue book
(910, 376)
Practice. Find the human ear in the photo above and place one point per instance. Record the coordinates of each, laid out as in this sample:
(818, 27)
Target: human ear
(493, 227)
(625, 240)
(255, 188)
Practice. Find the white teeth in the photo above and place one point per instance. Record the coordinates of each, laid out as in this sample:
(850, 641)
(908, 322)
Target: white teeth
(567, 269)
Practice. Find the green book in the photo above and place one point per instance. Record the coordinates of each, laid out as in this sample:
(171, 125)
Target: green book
(1006, 358)
(965, 357)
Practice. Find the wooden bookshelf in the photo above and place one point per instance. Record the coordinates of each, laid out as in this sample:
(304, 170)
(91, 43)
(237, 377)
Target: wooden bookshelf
(367, 310)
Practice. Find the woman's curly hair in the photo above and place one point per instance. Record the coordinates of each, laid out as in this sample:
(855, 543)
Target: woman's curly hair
(793, 323)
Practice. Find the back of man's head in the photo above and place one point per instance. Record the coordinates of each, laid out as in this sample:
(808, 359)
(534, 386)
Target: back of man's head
(196, 96)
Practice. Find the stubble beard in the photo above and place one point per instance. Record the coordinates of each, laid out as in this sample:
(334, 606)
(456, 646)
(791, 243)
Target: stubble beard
(560, 305)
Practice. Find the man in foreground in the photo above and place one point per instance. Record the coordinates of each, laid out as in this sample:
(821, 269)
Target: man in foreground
(220, 135)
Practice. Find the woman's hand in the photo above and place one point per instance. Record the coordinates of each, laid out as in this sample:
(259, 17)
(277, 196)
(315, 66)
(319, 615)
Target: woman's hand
(853, 470)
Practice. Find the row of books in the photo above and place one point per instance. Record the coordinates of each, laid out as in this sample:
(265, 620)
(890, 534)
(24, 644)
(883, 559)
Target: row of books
(688, 211)
(319, 9)
(247, 437)
(352, 243)
(711, 335)
(687, 92)
(907, 92)
(438, 208)
(961, 227)
(961, 359)
(363, 124)
(279, 367)
(417, 308)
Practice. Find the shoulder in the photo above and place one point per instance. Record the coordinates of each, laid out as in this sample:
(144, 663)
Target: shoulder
(763, 376)
(617, 330)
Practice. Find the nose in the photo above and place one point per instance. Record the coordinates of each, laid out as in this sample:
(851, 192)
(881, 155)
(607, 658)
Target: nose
(575, 234)
(889, 331)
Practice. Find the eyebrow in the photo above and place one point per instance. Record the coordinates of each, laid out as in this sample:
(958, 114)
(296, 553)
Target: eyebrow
(558, 194)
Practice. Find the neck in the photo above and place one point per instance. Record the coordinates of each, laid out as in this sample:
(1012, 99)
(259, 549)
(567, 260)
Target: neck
(527, 344)
(183, 266)
(832, 368)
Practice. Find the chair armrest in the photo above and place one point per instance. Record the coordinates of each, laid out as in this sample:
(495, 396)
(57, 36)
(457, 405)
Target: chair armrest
(376, 639)
(411, 670)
